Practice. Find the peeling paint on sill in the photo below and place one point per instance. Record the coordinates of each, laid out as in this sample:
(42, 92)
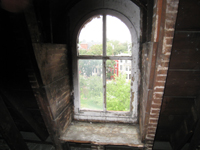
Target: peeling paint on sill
(103, 134)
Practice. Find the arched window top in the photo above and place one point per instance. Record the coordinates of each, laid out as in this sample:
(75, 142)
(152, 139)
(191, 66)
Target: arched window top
(119, 8)
(116, 33)
(110, 17)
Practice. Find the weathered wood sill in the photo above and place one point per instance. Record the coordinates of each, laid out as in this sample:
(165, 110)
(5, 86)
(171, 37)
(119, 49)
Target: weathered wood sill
(103, 134)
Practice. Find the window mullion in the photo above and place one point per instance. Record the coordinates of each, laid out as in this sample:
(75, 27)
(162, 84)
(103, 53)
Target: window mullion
(104, 62)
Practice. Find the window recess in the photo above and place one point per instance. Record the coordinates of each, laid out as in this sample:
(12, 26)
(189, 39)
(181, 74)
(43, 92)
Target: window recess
(103, 91)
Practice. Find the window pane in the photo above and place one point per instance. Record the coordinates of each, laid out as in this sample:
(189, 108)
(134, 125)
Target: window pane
(118, 37)
(90, 37)
(90, 84)
(117, 86)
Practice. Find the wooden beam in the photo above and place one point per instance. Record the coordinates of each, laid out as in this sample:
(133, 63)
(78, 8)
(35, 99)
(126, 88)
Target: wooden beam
(9, 130)
(26, 115)
(150, 4)
(195, 138)
(140, 4)
(183, 141)
(36, 79)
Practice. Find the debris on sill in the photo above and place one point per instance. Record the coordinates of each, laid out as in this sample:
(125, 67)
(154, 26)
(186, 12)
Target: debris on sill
(103, 134)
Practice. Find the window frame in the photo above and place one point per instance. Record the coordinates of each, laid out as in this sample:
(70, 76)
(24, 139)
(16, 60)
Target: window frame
(108, 116)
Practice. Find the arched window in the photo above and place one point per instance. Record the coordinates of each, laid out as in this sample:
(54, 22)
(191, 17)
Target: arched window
(106, 43)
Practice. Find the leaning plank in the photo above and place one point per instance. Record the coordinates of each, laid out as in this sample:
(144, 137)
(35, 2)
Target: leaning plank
(9, 130)
(26, 115)
(195, 138)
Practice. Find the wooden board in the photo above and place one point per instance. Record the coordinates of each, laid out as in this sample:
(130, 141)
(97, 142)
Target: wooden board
(185, 58)
(173, 111)
(9, 130)
(182, 83)
(189, 12)
(186, 40)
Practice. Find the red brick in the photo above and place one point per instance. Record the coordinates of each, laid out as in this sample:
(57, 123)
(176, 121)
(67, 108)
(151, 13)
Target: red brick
(153, 111)
(164, 72)
(155, 106)
(168, 33)
(157, 95)
(159, 83)
(157, 101)
(150, 135)
(160, 78)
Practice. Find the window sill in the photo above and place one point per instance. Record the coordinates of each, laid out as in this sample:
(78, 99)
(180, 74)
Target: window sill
(103, 134)
(108, 116)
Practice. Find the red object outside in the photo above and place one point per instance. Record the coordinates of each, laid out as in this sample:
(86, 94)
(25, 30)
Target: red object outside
(116, 69)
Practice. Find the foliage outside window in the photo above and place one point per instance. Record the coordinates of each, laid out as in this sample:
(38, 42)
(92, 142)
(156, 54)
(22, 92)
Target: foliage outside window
(91, 79)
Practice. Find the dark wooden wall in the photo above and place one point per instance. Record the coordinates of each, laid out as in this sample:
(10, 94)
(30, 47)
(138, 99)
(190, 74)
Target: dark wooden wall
(49, 70)
(14, 63)
(51, 59)
(15, 89)
(34, 75)
(183, 80)
(53, 63)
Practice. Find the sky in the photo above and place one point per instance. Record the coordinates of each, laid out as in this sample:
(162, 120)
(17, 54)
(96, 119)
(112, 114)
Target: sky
(116, 30)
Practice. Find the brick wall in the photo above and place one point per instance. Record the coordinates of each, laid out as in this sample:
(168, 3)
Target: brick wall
(156, 56)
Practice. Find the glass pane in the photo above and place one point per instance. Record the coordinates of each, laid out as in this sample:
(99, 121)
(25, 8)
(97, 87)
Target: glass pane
(90, 37)
(118, 37)
(90, 84)
(117, 86)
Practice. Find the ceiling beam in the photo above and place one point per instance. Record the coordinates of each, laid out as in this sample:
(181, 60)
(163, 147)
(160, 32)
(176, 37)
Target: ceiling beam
(9, 130)
(140, 4)
(26, 115)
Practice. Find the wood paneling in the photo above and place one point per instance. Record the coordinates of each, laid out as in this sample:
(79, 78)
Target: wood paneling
(182, 83)
(25, 97)
(185, 59)
(183, 79)
(186, 40)
(26, 115)
(177, 102)
(173, 111)
(9, 130)
(188, 14)
(186, 51)
(64, 119)
(52, 61)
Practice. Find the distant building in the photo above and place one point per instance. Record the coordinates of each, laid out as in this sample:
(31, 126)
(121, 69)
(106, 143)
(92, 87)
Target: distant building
(125, 68)
(83, 46)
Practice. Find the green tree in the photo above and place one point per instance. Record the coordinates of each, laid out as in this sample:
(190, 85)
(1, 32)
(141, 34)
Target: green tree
(118, 94)
(86, 66)
(96, 49)
(115, 47)
(91, 92)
